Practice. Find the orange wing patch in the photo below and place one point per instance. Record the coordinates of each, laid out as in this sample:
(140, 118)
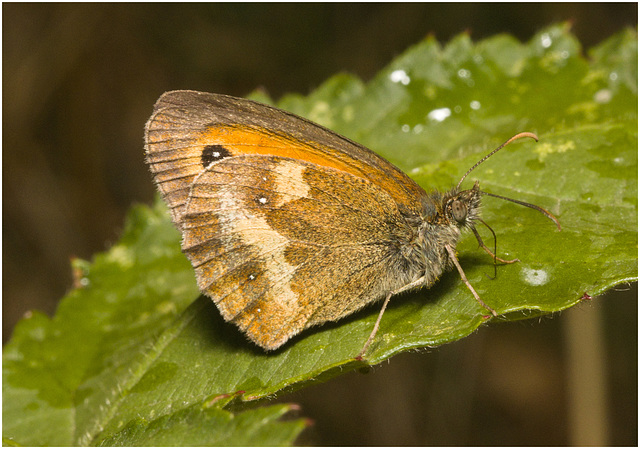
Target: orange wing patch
(244, 140)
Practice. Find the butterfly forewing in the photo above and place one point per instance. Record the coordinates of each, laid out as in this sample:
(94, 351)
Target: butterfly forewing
(186, 123)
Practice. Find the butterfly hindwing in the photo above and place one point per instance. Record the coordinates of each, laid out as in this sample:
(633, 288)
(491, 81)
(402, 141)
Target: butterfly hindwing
(281, 244)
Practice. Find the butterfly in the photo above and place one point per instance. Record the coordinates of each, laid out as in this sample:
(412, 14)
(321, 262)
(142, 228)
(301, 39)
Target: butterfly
(289, 225)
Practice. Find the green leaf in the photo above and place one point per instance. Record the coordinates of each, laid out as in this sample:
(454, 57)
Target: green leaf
(197, 426)
(134, 356)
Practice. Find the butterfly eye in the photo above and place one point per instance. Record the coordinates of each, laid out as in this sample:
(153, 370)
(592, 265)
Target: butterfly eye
(459, 211)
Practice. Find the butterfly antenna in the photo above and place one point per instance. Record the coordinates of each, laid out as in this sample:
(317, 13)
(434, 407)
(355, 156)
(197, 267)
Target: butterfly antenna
(548, 214)
(516, 137)
(522, 203)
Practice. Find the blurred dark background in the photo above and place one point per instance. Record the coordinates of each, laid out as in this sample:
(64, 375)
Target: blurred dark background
(79, 82)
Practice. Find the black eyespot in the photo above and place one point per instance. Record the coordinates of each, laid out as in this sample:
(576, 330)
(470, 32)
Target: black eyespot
(459, 211)
(213, 153)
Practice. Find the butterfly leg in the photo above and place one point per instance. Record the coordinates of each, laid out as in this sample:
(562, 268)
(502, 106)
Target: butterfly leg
(411, 286)
(496, 257)
(420, 282)
(375, 328)
(484, 247)
(454, 259)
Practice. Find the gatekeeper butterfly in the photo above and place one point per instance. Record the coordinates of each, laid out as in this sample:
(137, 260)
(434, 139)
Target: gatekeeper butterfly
(290, 225)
